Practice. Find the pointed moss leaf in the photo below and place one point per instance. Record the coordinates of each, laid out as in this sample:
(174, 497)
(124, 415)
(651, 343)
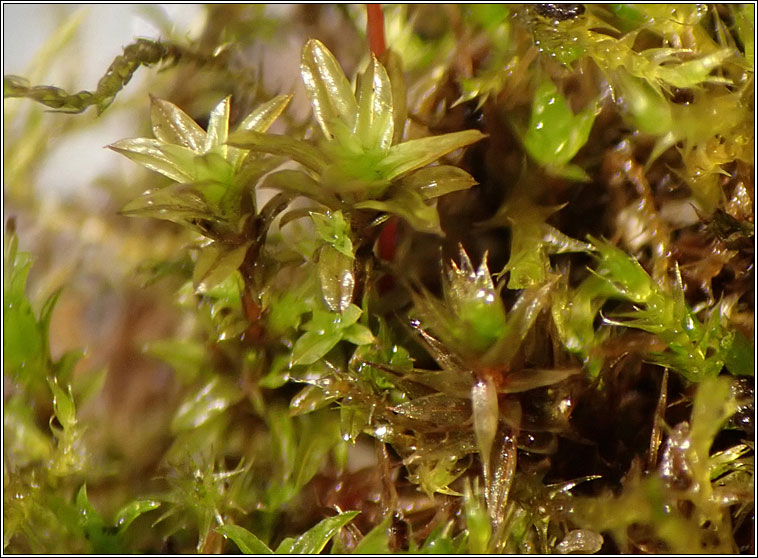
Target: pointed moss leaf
(64, 366)
(526, 379)
(439, 541)
(264, 116)
(646, 107)
(22, 336)
(149, 153)
(477, 521)
(172, 125)
(178, 203)
(376, 541)
(519, 321)
(335, 272)
(485, 408)
(349, 316)
(358, 334)
(299, 183)
(314, 540)
(299, 150)
(414, 154)
(309, 399)
(218, 127)
(246, 541)
(694, 72)
(327, 88)
(532, 241)
(393, 64)
(555, 134)
(45, 314)
(436, 408)
(323, 332)
(209, 401)
(622, 271)
(63, 404)
(375, 125)
(409, 205)
(215, 263)
(126, 515)
(207, 167)
(312, 345)
(433, 182)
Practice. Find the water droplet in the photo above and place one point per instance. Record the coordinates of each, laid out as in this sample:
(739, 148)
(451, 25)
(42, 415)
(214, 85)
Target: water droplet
(539, 125)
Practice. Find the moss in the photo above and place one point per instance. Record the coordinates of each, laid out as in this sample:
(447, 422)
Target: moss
(494, 294)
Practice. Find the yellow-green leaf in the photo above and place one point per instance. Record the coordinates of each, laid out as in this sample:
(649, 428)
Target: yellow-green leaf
(172, 125)
(327, 87)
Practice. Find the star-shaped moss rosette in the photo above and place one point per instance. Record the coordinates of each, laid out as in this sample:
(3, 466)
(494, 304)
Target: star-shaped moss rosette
(360, 162)
(214, 185)
(532, 240)
(476, 340)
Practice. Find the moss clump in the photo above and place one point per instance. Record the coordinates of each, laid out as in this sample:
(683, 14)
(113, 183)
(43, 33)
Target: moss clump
(494, 294)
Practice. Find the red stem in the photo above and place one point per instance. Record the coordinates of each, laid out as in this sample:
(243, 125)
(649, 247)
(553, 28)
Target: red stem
(375, 29)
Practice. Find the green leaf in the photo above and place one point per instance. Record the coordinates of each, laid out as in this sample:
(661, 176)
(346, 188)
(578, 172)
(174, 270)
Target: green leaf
(314, 540)
(358, 334)
(172, 125)
(246, 541)
(209, 401)
(327, 88)
(375, 125)
(439, 541)
(299, 150)
(477, 520)
(309, 399)
(23, 344)
(131, 511)
(218, 127)
(409, 205)
(215, 263)
(176, 165)
(335, 271)
(312, 345)
(63, 405)
(532, 240)
(694, 72)
(299, 183)
(414, 154)
(179, 203)
(433, 182)
(377, 540)
(264, 116)
(393, 64)
(555, 134)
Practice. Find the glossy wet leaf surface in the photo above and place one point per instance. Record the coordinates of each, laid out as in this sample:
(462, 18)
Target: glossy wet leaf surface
(555, 134)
